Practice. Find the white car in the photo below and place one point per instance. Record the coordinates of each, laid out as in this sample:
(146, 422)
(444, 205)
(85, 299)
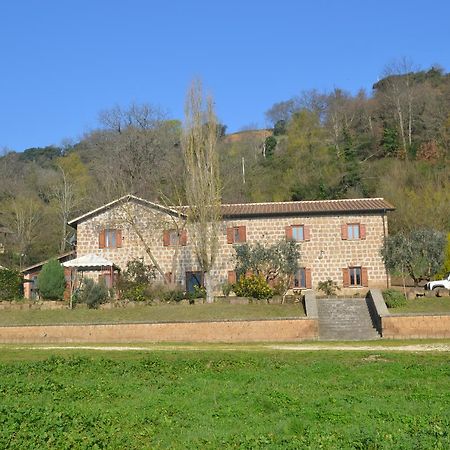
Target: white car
(445, 283)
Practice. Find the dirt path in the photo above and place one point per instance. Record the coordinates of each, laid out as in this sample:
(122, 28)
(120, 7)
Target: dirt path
(224, 347)
(378, 348)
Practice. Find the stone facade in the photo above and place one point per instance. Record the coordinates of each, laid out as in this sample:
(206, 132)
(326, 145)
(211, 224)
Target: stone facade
(325, 252)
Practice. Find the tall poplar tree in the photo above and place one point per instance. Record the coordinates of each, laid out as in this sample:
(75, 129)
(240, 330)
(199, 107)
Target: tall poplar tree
(200, 134)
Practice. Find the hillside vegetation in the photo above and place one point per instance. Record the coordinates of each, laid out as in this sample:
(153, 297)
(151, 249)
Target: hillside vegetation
(393, 143)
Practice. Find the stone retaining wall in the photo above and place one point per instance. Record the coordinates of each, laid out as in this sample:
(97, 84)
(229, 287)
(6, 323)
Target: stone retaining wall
(220, 331)
(18, 306)
(416, 326)
(407, 326)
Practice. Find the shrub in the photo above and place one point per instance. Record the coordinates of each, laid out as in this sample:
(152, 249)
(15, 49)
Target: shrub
(270, 146)
(328, 287)
(134, 284)
(254, 286)
(174, 295)
(11, 286)
(52, 282)
(92, 293)
(227, 288)
(135, 292)
(393, 298)
(199, 292)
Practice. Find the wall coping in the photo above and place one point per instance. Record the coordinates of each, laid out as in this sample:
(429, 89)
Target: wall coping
(311, 304)
(378, 302)
(419, 314)
(147, 322)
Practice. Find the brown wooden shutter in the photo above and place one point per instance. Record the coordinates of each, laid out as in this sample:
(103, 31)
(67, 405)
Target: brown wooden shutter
(289, 233)
(362, 231)
(231, 276)
(242, 234)
(101, 239)
(308, 281)
(230, 235)
(166, 238)
(306, 233)
(183, 237)
(364, 277)
(344, 231)
(118, 238)
(345, 277)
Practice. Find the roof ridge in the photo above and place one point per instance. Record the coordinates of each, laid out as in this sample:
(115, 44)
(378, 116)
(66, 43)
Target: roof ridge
(304, 201)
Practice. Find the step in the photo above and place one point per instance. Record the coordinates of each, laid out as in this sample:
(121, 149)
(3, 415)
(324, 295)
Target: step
(345, 319)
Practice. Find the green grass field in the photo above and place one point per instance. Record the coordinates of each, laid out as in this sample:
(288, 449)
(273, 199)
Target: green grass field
(155, 313)
(223, 399)
(433, 305)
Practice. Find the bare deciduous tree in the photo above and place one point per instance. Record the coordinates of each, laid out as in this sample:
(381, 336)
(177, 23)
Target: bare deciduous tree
(399, 92)
(22, 217)
(202, 180)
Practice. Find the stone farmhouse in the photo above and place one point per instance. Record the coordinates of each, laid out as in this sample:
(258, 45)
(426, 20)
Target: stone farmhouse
(339, 239)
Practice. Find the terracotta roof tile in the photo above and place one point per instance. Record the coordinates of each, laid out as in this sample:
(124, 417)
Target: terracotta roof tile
(307, 207)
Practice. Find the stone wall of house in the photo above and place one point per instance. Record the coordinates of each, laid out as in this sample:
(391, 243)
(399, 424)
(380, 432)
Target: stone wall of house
(325, 253)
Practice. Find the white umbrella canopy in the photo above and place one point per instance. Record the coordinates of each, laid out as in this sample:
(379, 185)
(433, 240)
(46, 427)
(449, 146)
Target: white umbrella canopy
(90, 260)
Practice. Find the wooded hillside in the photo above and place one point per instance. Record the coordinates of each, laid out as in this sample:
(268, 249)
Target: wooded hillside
(393, 143)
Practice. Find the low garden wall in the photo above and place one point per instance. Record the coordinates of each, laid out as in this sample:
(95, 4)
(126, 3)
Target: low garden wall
(21, 305)
(217, 331)
(415, 326)
(408, 326)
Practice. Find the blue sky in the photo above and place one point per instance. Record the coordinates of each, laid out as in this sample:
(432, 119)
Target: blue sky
(64, 61)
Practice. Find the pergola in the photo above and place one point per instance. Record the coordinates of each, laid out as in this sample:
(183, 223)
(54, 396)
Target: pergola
(88, 263)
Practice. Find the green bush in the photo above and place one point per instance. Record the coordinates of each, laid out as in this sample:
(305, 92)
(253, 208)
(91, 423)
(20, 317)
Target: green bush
(92, 293)
(174, 295)
(11, 287)
(393, 298)
(135, 282)
(328, 287)
(254, 286)
(227, 288)
(135, 293)
(51, 281)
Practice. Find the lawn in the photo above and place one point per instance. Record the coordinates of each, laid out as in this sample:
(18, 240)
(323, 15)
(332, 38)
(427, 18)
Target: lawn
(211, 399)
(156, 313)
(436, 305)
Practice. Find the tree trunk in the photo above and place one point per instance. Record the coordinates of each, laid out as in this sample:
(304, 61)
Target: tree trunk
(208, 287)
(401, 125)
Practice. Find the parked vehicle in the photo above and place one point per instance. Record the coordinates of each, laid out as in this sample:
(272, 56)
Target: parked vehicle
(445, 283)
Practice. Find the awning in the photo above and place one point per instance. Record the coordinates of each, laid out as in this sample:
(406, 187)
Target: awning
(89, 261)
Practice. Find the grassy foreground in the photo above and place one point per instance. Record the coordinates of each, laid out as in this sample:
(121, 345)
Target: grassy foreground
(241, 399)
(155, 313)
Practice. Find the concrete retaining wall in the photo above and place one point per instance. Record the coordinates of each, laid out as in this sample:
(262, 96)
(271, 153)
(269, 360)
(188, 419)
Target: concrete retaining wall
(220, 331)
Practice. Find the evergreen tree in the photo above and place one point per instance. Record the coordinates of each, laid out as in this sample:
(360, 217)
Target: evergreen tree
(51, 281)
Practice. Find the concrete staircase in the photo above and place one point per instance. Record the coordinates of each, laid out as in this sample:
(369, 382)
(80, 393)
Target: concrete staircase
(345, 320)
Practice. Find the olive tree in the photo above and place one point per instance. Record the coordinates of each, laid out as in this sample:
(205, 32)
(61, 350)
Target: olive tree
(419, 254)
(278, 261)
